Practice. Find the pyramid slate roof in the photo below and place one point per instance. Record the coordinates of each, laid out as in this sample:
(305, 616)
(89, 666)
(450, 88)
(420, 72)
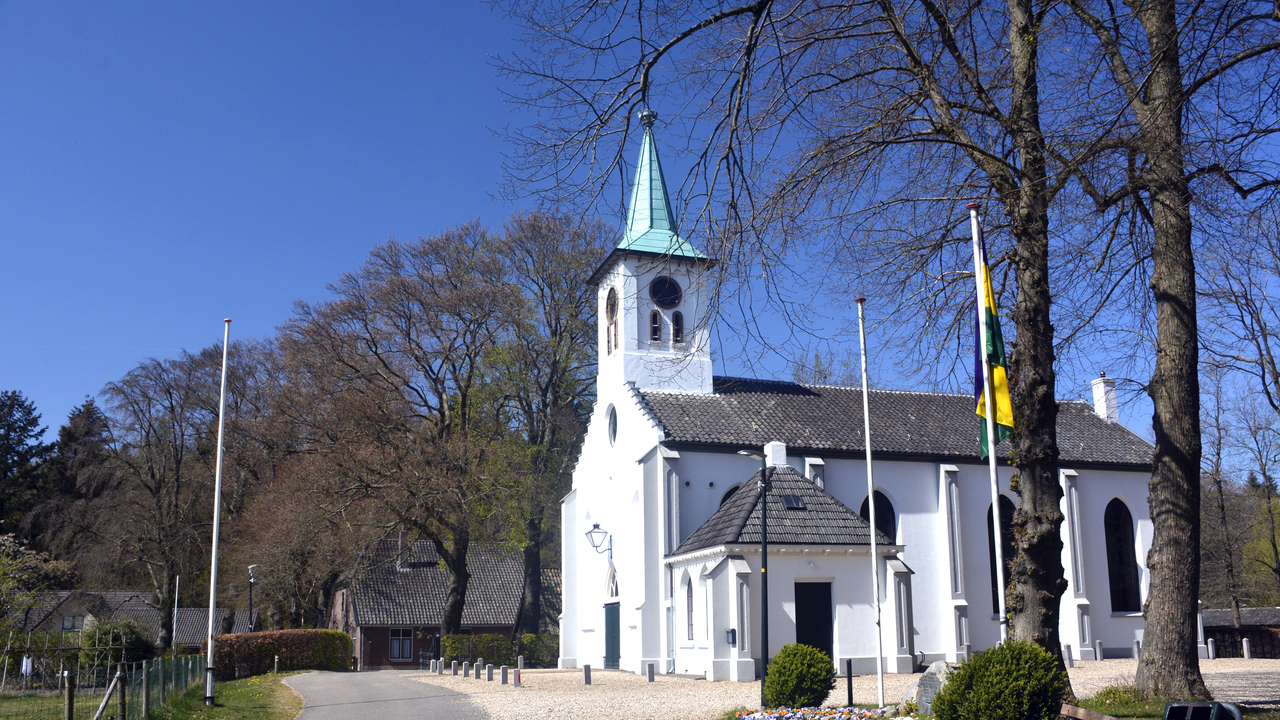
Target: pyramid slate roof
(411, 593)
(193, 624)
(936, 426)
(820, 519)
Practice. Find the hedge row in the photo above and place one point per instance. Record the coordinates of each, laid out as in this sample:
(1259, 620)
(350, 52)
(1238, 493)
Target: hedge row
(247, 654)
(496, 649)
(540, 651)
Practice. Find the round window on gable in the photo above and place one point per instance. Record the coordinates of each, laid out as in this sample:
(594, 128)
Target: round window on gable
(611, 305)
(665, 292)
(613, 425)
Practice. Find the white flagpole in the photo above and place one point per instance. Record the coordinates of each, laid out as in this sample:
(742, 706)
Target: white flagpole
(217, 516)
(988, 391)
(871, 507)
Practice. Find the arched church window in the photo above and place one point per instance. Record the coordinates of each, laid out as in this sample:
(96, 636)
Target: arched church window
(655, 326)
(665, 292)
(1122, 560)
(688, 593)
(729, 493)
(613, 581)
(1008, 547)
(677, 327)
(613, 425)
(886, 521)
(611, 320)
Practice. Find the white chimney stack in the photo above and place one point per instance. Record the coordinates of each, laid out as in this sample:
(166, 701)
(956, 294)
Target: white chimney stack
(1104, 398)
(775, 454)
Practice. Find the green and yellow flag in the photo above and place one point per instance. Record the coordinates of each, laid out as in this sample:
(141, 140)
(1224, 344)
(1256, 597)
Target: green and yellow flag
(993, 354)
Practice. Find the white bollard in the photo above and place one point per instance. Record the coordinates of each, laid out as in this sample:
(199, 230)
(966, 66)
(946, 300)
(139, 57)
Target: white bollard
(455, 668)
(504, 674)
(1137, 649)
(488, 672)
(1097, 649)
(466, 669)
(1247, 654)
(1213, 655)
(649, 672)
(1066, 656)
(586, 674)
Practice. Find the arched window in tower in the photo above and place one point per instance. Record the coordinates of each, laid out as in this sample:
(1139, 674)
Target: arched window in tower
(1122, 559)
(677, 327)
(655, 326)
(665, 292)
(613, 581)
(611, 321)
(1008, 548)
(886, 521)
(688, 594)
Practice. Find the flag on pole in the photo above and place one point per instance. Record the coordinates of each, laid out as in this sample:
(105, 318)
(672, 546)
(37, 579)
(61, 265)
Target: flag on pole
(993, 354)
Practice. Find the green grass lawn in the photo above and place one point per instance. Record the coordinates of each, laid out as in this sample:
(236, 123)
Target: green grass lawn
(1123, 702)
(263, 697)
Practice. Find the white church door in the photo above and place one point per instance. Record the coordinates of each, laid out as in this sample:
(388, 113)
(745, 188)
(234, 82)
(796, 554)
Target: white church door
(814, 620)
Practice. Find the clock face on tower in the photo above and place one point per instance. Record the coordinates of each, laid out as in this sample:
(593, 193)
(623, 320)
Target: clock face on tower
(665, 292)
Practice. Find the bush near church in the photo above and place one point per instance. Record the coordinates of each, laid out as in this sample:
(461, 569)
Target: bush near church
(495, 649)
(247, 654)
(799, 676)
(1012, 681)
(540, 651)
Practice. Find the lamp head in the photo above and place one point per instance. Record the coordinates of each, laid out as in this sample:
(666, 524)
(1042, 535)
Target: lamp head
(596, 536)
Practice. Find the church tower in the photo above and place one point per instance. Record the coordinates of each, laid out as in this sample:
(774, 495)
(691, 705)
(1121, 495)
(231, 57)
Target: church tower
(652, 295)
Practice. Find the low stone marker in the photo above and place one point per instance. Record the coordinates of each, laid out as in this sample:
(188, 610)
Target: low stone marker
(440, 667)
(923, 689)
(1248, 654)
(466, 669)
(504, 674)
(488, 672)
(478, 665)
(1137, 649)
(649, 672)
(455, 668)
(968, 651)
(1097, 650)
(1066, 656)
(1213, 654)
(586, 674)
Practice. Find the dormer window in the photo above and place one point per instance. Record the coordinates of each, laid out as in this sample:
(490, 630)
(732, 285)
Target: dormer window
(655, 326)
(665, 292)
(611, 321)
(677, 327)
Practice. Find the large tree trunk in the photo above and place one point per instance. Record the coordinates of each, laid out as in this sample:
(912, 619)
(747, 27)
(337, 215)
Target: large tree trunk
(531, 607)
(1035, 579)
(1170, 665)
(455, 596)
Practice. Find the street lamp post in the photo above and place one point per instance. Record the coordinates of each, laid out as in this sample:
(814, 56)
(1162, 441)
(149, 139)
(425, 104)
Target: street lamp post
(252, 581)
(764, 567)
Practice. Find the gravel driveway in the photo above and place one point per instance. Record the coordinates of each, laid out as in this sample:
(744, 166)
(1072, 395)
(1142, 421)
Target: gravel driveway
(623, 696)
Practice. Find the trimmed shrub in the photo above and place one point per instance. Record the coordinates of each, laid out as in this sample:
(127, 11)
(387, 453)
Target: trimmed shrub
(247, 654)
(799, 676)
(1012, 681)
(496, 649)
(540, 651)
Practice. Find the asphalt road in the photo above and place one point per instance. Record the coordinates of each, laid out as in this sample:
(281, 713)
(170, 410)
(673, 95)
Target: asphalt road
(385, 695)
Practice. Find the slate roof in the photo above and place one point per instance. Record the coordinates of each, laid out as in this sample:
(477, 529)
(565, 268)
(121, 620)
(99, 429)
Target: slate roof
(101, 604)
(1268, 616)
(413, 593)
(823, 520)
(938, 426)
(193, 624)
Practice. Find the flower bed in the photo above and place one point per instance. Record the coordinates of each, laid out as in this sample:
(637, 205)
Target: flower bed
(845, 713)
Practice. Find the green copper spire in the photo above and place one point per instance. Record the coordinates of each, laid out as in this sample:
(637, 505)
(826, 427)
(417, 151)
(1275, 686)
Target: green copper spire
(651, 225)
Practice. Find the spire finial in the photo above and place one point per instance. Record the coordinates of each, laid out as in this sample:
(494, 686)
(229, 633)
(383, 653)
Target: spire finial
(647, 118)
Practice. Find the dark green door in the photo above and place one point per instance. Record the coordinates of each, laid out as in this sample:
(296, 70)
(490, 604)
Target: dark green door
(612, 635)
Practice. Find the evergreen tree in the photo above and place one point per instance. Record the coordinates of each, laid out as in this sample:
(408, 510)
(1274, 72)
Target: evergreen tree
(21, 455)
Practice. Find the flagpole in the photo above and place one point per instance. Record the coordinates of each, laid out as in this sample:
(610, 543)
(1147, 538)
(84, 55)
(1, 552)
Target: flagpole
(987, 392)
(217, 516)
(871, 507)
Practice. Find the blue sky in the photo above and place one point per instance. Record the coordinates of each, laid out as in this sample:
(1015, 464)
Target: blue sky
(166, 165)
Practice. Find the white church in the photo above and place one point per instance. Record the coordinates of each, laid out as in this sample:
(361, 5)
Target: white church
(661, 531)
